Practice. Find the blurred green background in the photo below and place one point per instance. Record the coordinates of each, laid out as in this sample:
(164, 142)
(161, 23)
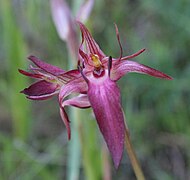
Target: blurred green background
(33, 139)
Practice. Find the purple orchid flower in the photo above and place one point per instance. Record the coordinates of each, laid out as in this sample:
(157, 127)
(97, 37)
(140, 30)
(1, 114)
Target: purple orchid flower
(95, 83)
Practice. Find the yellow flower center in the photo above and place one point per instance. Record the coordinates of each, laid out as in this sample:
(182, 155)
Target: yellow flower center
(96, 61)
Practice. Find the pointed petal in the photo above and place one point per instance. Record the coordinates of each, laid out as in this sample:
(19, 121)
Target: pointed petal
(80, 101)
(40, 90)
(83, 55)
(66, 121)
(123, 67)
(119, 42)
(33, 75)
(43, 97)
(77, 85)
(106, 104)
(72, 74)
(133, 55)
(54, 70)
(85, 10)
(90, 42)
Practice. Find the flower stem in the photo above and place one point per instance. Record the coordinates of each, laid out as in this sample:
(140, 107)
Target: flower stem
(132, 156)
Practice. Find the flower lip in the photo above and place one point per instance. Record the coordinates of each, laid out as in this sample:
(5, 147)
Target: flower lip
(99, 72)
(106, 103)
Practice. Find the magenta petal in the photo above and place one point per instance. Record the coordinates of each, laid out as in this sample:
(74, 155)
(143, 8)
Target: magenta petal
(75, 86)
(66, 121)
(33, 75)
(43, 97)
(40, 90)
(80, 101)
(90, 42)
(133, 55)
(120, 68)
(71, 74)
(54, 70)
(106, 104)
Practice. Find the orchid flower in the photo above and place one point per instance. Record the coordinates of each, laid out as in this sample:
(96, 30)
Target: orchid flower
(94, 82)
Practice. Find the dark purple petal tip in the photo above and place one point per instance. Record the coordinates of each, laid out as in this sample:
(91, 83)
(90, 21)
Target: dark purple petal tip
(40, 89)
(33, 75)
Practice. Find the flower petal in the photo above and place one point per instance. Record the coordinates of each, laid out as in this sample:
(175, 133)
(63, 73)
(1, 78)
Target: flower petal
(66, 121)
(77, 85)
(120, 68)
(106, 104)
(33, 75)
(80, 101)
(43, 97)
(54, 70)
(133, 55)
(40, 90)
(90, 42)
(71, 74)
(119, 42)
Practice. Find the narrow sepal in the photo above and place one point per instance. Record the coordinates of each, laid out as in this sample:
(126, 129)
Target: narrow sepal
(80, 101)
(119, 42)
(91, 44)
(123, 67)
(66, 121)
(29, 74)
(54, 70)
(75, 86)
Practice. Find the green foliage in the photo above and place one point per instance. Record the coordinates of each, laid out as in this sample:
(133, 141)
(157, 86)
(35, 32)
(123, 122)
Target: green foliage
(14, 52)
(21, 161)
(91, 148)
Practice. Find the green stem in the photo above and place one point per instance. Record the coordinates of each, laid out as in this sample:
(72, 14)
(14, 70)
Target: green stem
(91, 154)
(74, 162)
(74, 153)
(132, 156)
